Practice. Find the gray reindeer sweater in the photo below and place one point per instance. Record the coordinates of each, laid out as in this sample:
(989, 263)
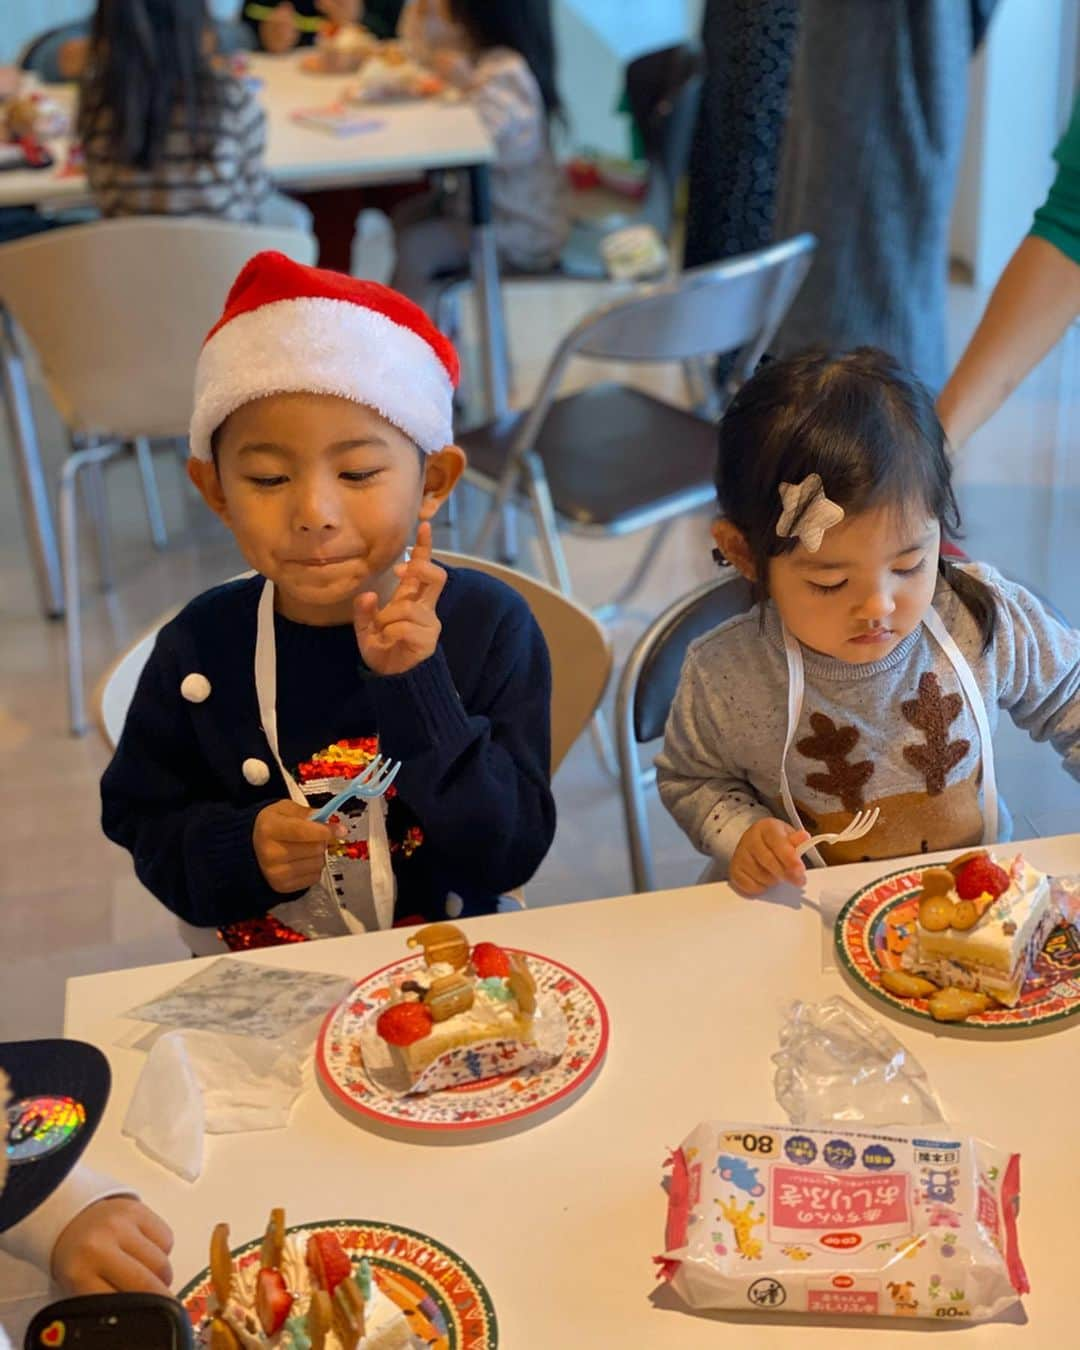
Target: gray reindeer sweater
(896, 733)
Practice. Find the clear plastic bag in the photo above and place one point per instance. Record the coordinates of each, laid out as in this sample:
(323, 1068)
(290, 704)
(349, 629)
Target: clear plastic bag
(837, 1063)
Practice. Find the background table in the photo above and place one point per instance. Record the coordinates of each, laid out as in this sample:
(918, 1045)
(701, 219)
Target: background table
(561, 1220)
(405, 141)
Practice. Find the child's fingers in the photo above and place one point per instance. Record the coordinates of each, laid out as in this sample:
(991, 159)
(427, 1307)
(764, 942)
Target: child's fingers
(365, 609)
(429, 579)
(149, 1255)
(421, 551)
(154, 1228)
(130, 1276)
(298, 832)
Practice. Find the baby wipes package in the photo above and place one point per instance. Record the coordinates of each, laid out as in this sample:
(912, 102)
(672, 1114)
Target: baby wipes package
(907, 1223)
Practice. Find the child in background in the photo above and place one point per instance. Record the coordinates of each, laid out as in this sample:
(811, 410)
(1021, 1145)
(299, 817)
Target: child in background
(91, 1235)
(503, 60)
(165, 132)
(322, 436)
(281, 33)
(871, 671)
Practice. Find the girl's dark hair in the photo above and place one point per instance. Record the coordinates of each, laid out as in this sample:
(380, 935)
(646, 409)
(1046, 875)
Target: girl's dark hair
(147, 57)
(862, 423)
(524, 25)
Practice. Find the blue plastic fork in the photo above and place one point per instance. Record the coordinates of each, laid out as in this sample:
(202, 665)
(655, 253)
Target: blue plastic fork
(371, 782)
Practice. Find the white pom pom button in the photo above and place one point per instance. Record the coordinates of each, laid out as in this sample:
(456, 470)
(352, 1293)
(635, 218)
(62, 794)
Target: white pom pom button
(256, 771)
(195, 687)
(454, 906)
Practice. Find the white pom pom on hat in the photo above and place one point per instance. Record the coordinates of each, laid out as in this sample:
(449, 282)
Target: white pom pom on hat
(289, 328)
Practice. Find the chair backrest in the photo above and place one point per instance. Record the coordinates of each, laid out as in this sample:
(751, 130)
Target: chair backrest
(579, 647)
(42, 53)
(720, 307)
(663, 89)
(117, 311)
(646, 690)
(656, 662)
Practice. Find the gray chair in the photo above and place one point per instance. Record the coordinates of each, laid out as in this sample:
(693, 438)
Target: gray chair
(646, 690)
(612, 459)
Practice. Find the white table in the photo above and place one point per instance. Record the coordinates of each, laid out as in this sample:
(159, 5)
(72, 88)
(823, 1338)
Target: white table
(410, 139)
(561, 1220)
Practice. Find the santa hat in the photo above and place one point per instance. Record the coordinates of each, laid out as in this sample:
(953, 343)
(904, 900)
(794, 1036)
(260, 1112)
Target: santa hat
(287, 328)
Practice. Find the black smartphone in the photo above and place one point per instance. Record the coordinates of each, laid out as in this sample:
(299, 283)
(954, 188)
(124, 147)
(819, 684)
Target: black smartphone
(111, 1322)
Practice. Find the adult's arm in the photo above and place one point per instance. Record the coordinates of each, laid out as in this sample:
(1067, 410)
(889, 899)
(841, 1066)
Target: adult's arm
(1035, 300)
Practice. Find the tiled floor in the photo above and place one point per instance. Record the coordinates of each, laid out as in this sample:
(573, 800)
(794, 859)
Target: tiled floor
(69, 903)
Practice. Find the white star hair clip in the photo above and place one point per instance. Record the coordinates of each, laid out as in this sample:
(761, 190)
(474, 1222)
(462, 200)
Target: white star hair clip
(807, 504)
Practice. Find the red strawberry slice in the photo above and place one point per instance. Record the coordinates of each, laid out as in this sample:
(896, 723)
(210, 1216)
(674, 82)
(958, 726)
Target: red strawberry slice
(489, 959)
(328, 1261)
(981, 876)
(272, 1301)
(403, 1023)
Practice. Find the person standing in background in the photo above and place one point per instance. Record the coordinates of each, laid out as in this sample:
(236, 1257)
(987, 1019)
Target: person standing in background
(749, 46)
(1032, 305)
(870, 159)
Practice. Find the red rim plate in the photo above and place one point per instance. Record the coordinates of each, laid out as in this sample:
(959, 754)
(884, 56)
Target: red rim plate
(474, 1106)
(877, 922)
(417, 1265)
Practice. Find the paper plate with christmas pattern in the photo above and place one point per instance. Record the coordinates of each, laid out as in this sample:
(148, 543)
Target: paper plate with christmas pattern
(878, 922)
(480, 1105)
(443, 1300)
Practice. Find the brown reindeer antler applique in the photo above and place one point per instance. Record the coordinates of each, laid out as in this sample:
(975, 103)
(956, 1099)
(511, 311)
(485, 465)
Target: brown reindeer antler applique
(931, 713)
(832, 745)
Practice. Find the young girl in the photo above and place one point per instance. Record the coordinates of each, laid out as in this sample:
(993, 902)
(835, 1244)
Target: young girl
(503, 60)
(871, 671)
(164, 131)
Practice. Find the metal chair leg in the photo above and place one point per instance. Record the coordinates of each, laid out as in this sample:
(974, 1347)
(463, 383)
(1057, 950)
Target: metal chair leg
(69, 554)
(547, 527)
(97, 503)
(36, 509)
(156, 519)
(452, 520)
(501, 501)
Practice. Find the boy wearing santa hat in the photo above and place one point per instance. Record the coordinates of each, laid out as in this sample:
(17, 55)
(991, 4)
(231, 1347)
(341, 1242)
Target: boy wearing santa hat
(321, 435)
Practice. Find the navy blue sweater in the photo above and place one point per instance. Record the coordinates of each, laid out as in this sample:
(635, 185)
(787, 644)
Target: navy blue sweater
(471, 725)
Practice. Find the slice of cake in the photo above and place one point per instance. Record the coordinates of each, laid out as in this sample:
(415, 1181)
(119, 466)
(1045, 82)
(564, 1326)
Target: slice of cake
(298, 1296)
(981, 925)
(467, 1014)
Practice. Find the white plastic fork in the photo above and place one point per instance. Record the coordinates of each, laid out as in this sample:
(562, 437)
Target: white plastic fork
(861, 823)
(371, 782)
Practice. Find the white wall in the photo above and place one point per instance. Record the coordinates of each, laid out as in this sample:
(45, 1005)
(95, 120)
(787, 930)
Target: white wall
(596, 38)
(1019, 101)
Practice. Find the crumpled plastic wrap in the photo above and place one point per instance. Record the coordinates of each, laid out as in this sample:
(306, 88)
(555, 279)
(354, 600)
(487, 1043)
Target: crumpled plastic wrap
(838, 1063)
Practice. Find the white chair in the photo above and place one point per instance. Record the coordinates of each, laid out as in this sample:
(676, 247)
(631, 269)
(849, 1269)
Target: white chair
(580, 669)
(116, 312)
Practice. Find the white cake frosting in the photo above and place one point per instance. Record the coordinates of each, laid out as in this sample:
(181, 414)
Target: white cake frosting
(996, 955)
(384, 1322)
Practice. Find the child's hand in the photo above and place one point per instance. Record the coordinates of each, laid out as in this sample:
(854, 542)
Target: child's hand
(290, 847)
(114, 1246)
(453, 66)
(766, 855)
(279, 33)
(406, 631)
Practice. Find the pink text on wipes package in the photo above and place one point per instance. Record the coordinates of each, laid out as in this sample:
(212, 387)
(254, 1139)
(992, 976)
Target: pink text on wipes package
(804, 1202)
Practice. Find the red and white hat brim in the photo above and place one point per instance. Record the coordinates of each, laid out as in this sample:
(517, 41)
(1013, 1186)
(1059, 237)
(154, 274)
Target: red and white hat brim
(323, 346)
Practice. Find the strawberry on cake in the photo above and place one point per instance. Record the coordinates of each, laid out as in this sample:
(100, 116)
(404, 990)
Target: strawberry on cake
(467, 1014)
(981, 925)
(298, 1296)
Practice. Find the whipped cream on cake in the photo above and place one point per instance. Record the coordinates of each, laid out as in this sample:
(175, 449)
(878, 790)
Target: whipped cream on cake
(465, 1015)
(982, 923)
(299, 1295)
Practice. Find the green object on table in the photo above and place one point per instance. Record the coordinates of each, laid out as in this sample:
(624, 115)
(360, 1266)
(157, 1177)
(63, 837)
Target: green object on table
(637, 142)
(306, 23)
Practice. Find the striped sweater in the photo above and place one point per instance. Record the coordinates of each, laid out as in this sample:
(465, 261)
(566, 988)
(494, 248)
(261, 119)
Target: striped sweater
(228, 181)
